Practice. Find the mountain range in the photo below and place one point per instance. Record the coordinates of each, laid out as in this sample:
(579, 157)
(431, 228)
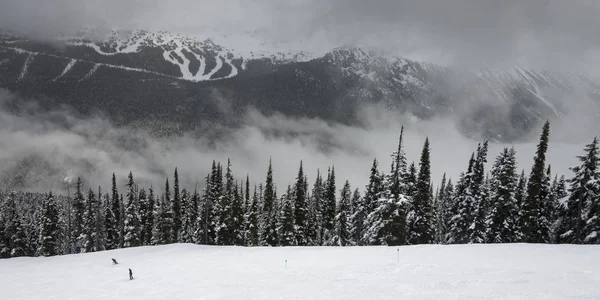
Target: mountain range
(171, 83)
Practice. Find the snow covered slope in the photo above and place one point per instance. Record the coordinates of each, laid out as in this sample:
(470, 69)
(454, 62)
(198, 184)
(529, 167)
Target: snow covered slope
(184, 271)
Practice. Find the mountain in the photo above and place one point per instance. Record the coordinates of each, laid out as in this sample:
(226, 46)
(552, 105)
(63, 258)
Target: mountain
(172, 83)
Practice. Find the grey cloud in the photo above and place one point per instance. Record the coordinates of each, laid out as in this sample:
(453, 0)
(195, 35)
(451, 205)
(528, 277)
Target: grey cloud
(52, 146)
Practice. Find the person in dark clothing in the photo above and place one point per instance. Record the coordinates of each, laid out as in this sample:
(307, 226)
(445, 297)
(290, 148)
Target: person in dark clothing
(130, 275)
(115, 262)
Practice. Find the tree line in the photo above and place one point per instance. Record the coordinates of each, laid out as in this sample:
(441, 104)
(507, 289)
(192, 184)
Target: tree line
(399, 207)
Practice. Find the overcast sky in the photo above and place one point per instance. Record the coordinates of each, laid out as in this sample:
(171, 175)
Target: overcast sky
(553, 34)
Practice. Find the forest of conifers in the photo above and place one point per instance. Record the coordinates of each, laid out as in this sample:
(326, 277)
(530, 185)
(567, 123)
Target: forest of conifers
(399, 206)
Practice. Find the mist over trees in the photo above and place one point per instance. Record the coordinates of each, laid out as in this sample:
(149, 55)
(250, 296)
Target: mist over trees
(398, 206)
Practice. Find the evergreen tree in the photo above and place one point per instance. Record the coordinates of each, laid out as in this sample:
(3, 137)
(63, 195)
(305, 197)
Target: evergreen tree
(301, 210)
(411, 180)
(422, 228)
(190, 217)
(533, 205)
(132, 224)
(399, 168)
(329, 203)
(548, 207)
(247, 194)
(89, 235)
(237, 214)
(315, 230)
(480, 192)
(49, 231)
(440, 212)
(18, 243)
(520, 196)
(8, 228)
(286, 222)
(355, 221)
(176, 207)
(370, 202)
(163, 228)
(341, 233)
(580, 217)
(99, 207)
(253, 215)
(269, 222)
(225, 226)
(112, 219)
(502, 223)
(144, 209)
(205, 227)
(463, 208)
(148, 225)
(77, 237)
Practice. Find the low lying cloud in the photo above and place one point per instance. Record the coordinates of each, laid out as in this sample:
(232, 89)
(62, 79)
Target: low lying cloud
(39, 149)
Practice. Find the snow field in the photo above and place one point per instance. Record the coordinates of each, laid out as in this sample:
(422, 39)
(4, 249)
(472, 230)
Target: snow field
(186, 271)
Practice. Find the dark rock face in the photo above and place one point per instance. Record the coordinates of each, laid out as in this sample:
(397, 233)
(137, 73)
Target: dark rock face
(158, 80)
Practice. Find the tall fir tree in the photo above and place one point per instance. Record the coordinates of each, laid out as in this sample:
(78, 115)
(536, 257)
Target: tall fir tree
(176, 207)
(163, 226)
(368, 204)
(269, 222)
(533, 206)
(149, 223)
(580, 216)
(49, 231)
(502, 219)
(286, 221)
(225, 226)
(520, 195)
(329, 204)
(132, 217)
(341, 233)
(440, 212)
(143, 213)
(205, 226)
(113, 217)
(422, 227)
(237, 217)
(479, 188)
(77, 236)
(252, 228)
(100, 241)
(89, 234)
(463, 209)
(315, 231)
(190, 217)
(301, 210)
(447, 207)
(399, 168)
(410, 180)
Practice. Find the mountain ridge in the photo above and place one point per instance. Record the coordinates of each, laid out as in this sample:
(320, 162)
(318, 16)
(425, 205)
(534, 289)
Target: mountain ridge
(296, 83)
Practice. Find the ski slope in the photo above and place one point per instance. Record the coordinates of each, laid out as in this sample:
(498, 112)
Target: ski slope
(185, 271)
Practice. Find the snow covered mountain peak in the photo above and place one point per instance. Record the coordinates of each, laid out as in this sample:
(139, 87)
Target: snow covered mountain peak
(197, 59)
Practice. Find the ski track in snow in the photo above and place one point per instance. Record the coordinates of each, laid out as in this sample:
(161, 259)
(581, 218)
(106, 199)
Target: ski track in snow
(26, 66)
(186, 271)
(199, 76)
(69, 66)
(91, 72)
(21, 51)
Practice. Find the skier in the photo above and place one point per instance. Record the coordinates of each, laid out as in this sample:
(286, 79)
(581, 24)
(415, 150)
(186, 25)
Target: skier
(115, 262)
(130, 275)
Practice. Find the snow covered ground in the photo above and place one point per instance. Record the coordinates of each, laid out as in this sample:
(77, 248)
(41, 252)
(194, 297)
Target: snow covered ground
(184, 271)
